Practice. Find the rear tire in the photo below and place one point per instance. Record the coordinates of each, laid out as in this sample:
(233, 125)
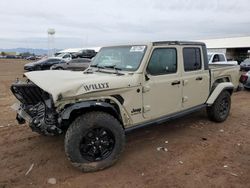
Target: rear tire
(219, 111)
(94, 141)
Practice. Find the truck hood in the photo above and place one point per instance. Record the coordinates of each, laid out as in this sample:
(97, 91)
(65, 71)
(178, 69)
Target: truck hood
(69, 83)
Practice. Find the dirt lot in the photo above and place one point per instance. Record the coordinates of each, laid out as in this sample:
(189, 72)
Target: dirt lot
(200, 153)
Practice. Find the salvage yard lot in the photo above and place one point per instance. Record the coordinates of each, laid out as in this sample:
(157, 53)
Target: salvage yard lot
(200, 153)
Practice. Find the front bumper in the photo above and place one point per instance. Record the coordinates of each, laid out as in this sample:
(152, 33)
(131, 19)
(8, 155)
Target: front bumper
(22, 116)
(37, 123)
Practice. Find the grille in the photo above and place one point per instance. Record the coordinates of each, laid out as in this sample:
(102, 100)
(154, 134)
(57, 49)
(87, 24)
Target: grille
(28, 93)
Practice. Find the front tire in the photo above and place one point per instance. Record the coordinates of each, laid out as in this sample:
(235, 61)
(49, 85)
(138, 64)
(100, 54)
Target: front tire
(94, 141)
(219, 111)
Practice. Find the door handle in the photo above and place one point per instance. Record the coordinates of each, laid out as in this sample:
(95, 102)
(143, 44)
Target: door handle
(176, 82)
(199, 78)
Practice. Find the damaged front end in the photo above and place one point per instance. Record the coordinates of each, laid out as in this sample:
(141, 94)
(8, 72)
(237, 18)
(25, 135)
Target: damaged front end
(36, 107)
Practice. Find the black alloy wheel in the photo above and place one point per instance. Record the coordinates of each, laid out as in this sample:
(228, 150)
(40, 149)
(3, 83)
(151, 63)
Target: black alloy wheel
(97, 144)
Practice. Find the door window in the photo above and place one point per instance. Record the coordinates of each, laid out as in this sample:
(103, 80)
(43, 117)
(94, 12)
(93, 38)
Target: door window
(66, 56)
(192, 59)
(163, 61)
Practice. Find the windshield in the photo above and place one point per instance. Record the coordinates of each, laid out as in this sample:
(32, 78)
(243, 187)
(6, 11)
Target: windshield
(247, 61)
(126, 58)
(41, 60)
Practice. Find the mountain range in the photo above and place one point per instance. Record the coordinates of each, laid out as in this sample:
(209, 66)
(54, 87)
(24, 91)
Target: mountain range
(30, 50)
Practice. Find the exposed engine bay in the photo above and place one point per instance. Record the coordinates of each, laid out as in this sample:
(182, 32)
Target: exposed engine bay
(36, 106)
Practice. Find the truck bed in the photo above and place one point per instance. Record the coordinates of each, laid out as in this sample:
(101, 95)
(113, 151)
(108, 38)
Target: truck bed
(231, 72)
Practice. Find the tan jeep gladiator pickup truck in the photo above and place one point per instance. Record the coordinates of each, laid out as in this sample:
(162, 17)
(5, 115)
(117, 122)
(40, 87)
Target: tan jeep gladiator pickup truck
(125, 87)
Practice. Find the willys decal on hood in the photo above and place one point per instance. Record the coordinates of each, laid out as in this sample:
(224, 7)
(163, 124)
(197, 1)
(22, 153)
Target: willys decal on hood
(70, 83)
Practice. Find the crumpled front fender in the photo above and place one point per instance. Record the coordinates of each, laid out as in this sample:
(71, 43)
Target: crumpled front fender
(66, 113)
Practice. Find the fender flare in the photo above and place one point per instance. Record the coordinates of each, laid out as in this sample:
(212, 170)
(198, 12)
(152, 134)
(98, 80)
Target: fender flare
(65, 114)
(217, 91)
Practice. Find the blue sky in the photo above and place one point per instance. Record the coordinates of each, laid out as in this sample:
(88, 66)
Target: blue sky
(82, 23)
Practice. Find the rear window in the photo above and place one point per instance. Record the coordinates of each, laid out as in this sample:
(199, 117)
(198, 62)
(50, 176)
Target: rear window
(192, 59)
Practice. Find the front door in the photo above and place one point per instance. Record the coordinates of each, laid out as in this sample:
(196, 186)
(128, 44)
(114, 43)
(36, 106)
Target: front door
(162, 87)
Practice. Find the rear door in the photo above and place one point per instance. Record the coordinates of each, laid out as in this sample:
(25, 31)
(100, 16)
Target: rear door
(195, 77)
(162, 89)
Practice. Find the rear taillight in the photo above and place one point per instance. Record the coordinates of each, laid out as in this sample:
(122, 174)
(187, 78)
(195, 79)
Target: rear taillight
(243, 78)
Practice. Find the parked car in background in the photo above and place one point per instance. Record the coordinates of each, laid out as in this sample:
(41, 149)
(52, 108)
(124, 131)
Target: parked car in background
(245, 80)
(79, 64)
(10, 57)
(31, 58)
(86, 53)
(43, 64)
(245, 65)
(64, 56)
(219, 58)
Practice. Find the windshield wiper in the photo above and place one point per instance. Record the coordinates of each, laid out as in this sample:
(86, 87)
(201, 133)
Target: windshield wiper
(97, 66)
(108, 66)
(114, 67)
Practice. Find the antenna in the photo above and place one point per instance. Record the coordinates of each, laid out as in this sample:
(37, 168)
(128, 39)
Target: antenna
(51, 40)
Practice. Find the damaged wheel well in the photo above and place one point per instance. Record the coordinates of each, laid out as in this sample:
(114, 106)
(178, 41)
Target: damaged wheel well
(218, 81)
(73, 111)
